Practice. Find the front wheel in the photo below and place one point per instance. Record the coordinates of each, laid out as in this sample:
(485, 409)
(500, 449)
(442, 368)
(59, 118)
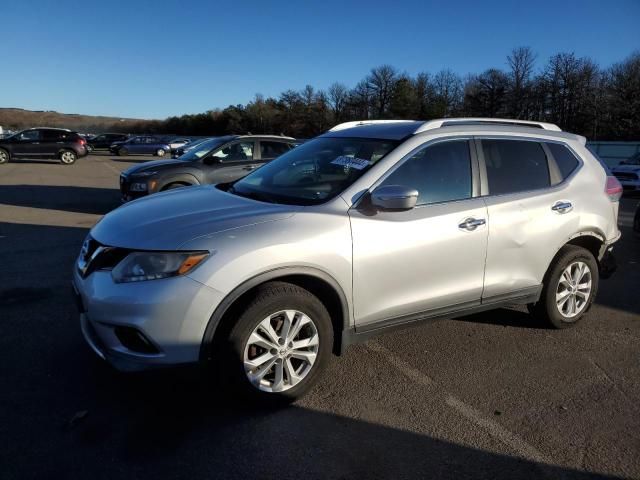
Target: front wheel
(123, 152)
(160, 152)
(280, 344)
(68, 157)
(570, 286)
(4, 156)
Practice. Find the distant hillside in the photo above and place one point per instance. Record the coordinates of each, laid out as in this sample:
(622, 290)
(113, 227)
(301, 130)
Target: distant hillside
(18, 118)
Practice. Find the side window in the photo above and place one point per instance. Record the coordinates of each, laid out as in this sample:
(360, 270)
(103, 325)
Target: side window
(566, 160)
(515, 166)
(235, 152)
(51, 135)
(30, 136)
(270, 150)
(440, 173)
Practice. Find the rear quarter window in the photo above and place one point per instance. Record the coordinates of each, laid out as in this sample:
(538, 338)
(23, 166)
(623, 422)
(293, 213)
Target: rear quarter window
(565, 159)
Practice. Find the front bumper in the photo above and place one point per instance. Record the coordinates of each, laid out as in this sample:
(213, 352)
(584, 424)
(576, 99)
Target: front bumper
(171, 313)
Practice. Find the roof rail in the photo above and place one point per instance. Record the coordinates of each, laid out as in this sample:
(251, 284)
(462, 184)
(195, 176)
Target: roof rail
(447, 122)
(357, 123)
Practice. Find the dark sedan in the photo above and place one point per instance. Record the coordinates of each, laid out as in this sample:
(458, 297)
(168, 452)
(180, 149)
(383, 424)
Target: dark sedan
(218, 160)
(142, 145)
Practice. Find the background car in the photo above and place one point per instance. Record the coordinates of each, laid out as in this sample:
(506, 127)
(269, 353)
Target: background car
(189, 146)
(142, 145)
(177, 143)
(628, 173)
(65, 145)
(105, 140)
(217, 160)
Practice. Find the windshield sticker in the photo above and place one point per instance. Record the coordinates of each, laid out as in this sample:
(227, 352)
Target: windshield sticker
(352, 162)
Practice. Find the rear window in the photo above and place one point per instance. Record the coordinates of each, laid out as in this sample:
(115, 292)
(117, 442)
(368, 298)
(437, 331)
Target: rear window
(515, 166)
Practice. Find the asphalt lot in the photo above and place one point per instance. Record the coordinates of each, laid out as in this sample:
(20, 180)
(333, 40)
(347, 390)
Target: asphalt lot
(488, 396)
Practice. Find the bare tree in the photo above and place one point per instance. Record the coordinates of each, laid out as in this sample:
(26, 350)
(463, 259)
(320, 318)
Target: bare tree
(448, 93)
(521, 62)
(338, 96)
(381, 81)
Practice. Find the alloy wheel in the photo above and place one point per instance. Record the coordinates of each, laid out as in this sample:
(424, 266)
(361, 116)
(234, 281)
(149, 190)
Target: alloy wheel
(281, 351)
(574, 289)
(67, 157)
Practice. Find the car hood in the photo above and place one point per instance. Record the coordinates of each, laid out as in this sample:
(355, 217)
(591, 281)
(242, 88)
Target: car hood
(166, 220)
(154, 165)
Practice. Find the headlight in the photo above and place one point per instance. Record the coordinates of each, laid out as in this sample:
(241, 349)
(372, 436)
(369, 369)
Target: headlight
(138, 187)
(141, 266)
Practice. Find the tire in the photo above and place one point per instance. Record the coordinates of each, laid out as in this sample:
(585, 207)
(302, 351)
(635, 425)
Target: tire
(571, 263)
(68, 157)
(273, 303)
(4, 156)
(123, 152)
(160, 152)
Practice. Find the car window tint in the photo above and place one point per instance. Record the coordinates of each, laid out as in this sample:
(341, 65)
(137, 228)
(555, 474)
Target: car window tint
(565, 159)
(440, 172)
(51, 135)
(235, 152)
(515, 166)
(272, 149)
(30, 135)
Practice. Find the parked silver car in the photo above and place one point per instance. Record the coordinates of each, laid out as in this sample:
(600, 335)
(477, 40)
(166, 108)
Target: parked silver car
(371, 226)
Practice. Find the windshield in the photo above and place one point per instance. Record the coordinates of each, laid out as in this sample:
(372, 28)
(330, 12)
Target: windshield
(200, 150)
(313, 172)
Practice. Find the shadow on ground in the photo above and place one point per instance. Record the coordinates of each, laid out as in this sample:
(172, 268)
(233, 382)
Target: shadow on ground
(71, 199)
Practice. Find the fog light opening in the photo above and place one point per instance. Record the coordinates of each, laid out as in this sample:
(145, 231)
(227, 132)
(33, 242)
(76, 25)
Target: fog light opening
(134, 340)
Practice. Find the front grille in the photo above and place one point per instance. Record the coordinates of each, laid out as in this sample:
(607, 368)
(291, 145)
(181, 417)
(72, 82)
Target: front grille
(95, 256)
(626, 176)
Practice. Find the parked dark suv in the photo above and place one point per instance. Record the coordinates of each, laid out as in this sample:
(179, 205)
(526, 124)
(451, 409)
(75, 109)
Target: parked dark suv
(65, 145)
(105, 140)
(218, 160)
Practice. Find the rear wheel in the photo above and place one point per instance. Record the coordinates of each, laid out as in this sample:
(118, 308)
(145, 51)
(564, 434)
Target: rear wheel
(569, 289)
(68, 157)
(280, 344)
(4, 156)
(160, 152)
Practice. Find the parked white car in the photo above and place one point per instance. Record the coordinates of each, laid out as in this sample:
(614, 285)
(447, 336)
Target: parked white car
(372, 226)
(628, 172)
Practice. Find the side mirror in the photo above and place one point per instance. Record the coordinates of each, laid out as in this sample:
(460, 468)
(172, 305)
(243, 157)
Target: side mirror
(394, 197)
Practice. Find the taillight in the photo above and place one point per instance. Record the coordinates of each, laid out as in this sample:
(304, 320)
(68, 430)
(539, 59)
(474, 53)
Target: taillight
(82, 141)
(613, 188)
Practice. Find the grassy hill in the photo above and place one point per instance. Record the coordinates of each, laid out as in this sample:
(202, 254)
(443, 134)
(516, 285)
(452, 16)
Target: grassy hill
(18, 118)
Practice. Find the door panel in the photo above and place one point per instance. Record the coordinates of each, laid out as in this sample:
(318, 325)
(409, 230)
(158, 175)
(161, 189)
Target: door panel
(525, 234)
(429, 257)
(525, 230)
(27, 144)
(417, 260)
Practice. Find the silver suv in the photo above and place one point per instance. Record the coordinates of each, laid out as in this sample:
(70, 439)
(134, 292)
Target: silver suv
(371, 226)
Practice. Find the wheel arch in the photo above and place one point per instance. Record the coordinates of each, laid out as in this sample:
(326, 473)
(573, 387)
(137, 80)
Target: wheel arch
(185, 178)
(316, 281)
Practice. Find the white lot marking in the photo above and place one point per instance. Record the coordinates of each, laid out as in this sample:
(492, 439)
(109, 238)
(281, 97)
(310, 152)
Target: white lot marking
(510, 439)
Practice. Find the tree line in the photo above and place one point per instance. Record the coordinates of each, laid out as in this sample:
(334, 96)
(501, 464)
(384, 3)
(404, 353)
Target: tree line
(570, 91)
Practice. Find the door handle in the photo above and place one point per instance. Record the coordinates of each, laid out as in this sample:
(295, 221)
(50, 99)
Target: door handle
(471, 224)
(562, 207)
